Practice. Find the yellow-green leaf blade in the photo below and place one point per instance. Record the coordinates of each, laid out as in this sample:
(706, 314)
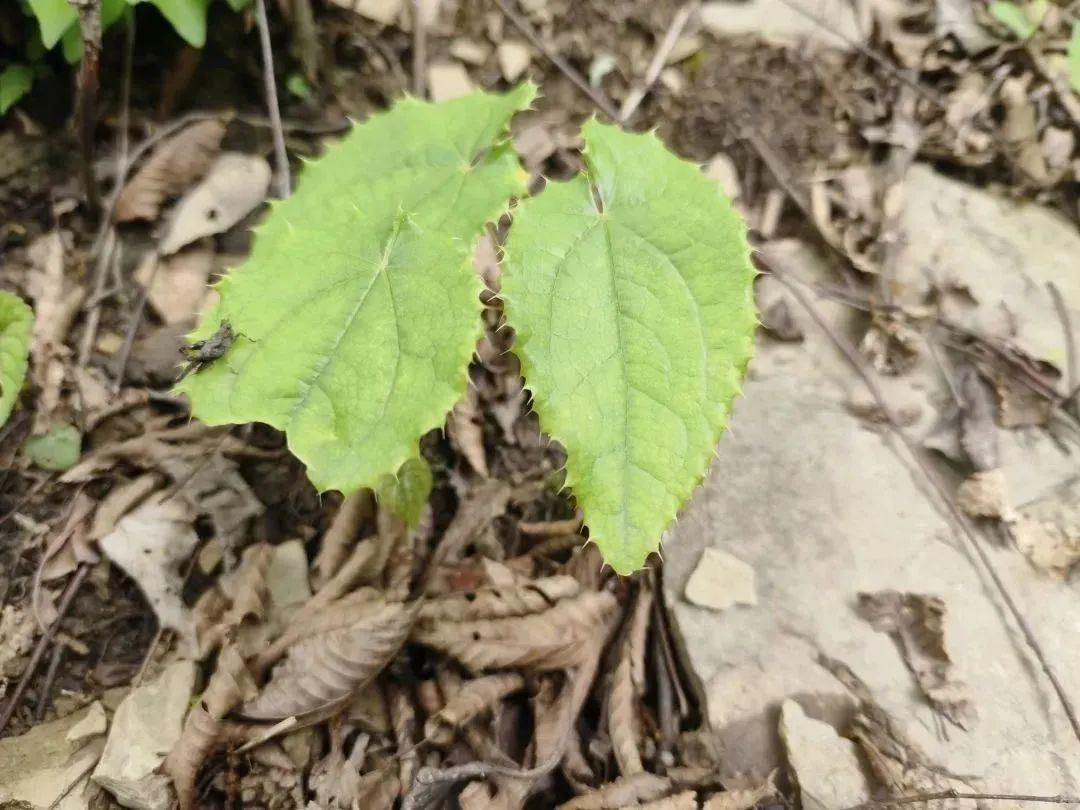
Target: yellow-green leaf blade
(631, 293)
(16, 321)
(358, 311)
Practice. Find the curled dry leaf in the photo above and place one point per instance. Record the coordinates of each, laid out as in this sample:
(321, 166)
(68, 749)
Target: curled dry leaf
(473, 699)
(234, 186)
(466, 428)
(627, 687)
(741, 799)
(242, 594)
(403, 717)
(355, 510)
(916, 623)
(496, 603)
(687, 800)
(358, 605)
(378, 790)
(176, 286)
(177, 163)
(121, 500)
(630, 790)
(329, 668)
(335, 779)
(558, 638)
(150, 545)
(230, 684)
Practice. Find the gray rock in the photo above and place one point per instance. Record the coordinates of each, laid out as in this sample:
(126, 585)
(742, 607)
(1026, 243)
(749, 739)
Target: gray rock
(823, 504)
(146, 726)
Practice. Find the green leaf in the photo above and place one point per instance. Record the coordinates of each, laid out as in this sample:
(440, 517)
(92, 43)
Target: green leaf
(407, 492)
(1074, 57)
(54, 17)
(1013, 17)
(631, 292)
(188, 18)
(16, 320)
(15, 82)
(358, 312)
(58, 448)
(298, 85)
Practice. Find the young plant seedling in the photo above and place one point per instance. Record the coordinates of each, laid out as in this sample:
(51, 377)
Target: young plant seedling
(629, 288)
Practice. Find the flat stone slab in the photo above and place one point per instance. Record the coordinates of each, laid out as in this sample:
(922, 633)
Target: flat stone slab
(824, 504)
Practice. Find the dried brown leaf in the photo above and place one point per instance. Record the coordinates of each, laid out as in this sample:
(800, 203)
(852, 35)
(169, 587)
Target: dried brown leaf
(743, 799)
(497, 603)
(630, 790)
(622, 718)
(335, 778)
(177, 286)
(234, 186)
(627, 687)
(916, 623)
(586, 565)
(550, 528)
(687, 800)
(121, 500)
(177, 163)
(230, 685)
(558, 638)
(329, 668)
(341, 537)
(357, 606)
(379, 789)
(403, 717)
(473, 699)
(485, 502)
(466, 428)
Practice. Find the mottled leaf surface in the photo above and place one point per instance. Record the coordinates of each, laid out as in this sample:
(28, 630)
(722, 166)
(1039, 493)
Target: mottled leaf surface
(631, 291)
(358, 311)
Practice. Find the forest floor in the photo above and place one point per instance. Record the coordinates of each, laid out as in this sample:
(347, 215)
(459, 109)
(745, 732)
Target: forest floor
(870, 596)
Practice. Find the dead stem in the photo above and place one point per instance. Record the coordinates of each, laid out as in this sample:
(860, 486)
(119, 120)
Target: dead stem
(638, 93)
(281, 158)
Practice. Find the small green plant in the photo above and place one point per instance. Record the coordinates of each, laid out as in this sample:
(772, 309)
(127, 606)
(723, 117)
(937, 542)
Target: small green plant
(357, 314)
(1022, 20)
(58, 24)
(16, 321)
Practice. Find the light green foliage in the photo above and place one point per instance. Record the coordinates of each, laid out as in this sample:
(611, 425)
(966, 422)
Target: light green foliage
(1073, 57)
(188, 17)
(16, 320)
(54, 17)
(358, 311)
(15, 82)
(58, 448)
(630, 289)
(59, 22)
(407, 492)
(1022, 20)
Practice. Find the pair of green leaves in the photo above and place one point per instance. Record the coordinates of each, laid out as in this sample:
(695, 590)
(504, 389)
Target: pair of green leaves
(58, 20)
(356, 316)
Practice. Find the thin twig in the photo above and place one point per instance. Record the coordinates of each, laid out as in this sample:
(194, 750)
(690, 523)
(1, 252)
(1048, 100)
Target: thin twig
(522, 25)
(50, 678)
(419, 54)
(852, 355)
(133, 327)
(39, 651)
(638, 93)
(281, 158)
(90, 31)
(955, 794)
